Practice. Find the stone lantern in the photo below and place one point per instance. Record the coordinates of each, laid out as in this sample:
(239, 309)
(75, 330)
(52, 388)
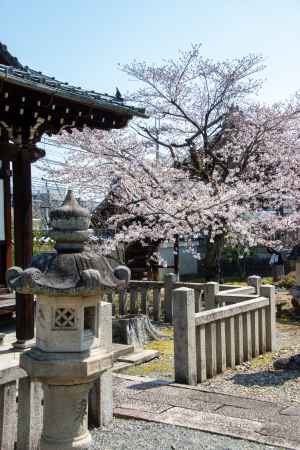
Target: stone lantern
(73, 326)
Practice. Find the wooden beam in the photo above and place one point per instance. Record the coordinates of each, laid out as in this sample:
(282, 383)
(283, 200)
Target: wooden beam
(22, 197)
(10, 152)
(6, 173)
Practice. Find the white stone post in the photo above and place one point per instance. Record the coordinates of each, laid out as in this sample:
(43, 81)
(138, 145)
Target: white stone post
(8, 423)
(100, 401)
(170, 280)
(100, 396)
(269, 292)
(255, 281)
(210, 292)
(30, 414)
(184, 336)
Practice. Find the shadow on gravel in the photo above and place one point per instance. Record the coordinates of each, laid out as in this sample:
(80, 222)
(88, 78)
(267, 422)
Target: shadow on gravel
(265, 378)
(150, 385)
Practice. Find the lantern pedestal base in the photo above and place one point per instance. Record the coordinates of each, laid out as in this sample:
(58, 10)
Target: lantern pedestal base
(81, 444)
(67, 379)
(65, 417)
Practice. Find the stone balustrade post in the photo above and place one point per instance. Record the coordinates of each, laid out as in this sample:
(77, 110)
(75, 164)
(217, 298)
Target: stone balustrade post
(170, 280)
(268, 291)
(210, 292)
(8, 424)
(100, 399)
(30, 414)
(184, 336)
(255, 281)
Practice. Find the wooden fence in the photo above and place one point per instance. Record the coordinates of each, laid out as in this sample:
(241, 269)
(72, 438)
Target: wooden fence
(208, 342)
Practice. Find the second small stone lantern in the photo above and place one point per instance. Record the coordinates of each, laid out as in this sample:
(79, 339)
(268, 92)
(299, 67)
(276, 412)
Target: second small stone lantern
(73, 326)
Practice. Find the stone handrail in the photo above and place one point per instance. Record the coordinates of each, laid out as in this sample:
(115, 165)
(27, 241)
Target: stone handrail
(155, 298)
(230, 311)
(208, 342)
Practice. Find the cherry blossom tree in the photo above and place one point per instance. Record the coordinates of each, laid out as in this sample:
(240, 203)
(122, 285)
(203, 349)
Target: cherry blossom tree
(224, 159)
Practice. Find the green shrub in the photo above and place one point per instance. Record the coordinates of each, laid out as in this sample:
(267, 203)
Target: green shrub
(287, 281)
(41, 243)
(267, 280)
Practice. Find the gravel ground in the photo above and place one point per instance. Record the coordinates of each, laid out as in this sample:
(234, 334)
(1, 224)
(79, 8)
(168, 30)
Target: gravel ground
(255, 379)
(139, 435)
(258, 379)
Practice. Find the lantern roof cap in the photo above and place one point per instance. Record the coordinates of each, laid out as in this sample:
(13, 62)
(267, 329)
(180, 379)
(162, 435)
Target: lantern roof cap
(73, 270)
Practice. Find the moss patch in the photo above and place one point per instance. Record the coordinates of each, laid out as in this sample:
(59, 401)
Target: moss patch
(262, 361)
(163, 367)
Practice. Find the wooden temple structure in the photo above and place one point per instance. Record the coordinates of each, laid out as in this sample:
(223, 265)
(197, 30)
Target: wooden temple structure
(33, 104)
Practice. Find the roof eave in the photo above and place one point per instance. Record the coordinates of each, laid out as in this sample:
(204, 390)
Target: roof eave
(9, 59)
(97, 104)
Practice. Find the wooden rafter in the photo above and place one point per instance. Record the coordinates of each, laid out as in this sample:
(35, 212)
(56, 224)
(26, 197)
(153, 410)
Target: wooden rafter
(10, 152)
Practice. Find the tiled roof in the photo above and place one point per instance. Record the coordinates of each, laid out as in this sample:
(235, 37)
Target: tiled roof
(9, 59)
(38, 81)
(14, 71)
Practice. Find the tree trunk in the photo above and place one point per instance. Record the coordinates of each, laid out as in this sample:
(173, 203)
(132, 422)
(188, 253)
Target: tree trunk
(212, 260)
(136, 330)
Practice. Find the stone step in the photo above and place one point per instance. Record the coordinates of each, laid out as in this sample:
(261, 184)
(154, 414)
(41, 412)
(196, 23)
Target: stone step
(139, 357)
(133, 359)
(5, 292)
(120, 366)
(120, 350)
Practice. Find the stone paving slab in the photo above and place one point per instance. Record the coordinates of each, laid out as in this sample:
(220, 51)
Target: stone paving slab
(190, 407)
(291, 411)
(139, 357)
(172, 395)
(263, 414)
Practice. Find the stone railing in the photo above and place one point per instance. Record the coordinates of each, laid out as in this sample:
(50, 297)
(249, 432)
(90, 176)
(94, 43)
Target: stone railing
(208, 342)
(21, 409)
(154, 298)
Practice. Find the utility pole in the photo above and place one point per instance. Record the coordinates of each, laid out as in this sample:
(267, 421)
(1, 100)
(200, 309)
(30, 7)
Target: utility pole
(157, 131)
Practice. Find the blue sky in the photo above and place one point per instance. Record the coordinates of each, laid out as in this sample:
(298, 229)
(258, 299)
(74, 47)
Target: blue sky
(82, 41)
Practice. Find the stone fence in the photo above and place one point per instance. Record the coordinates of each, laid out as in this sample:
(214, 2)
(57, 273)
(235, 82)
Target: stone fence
(20, 410)
(208, 342)
(154, 298)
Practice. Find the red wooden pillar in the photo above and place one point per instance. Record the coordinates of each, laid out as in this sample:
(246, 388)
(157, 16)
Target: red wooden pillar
(5, 221)
(7, 213)
(23, 243)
